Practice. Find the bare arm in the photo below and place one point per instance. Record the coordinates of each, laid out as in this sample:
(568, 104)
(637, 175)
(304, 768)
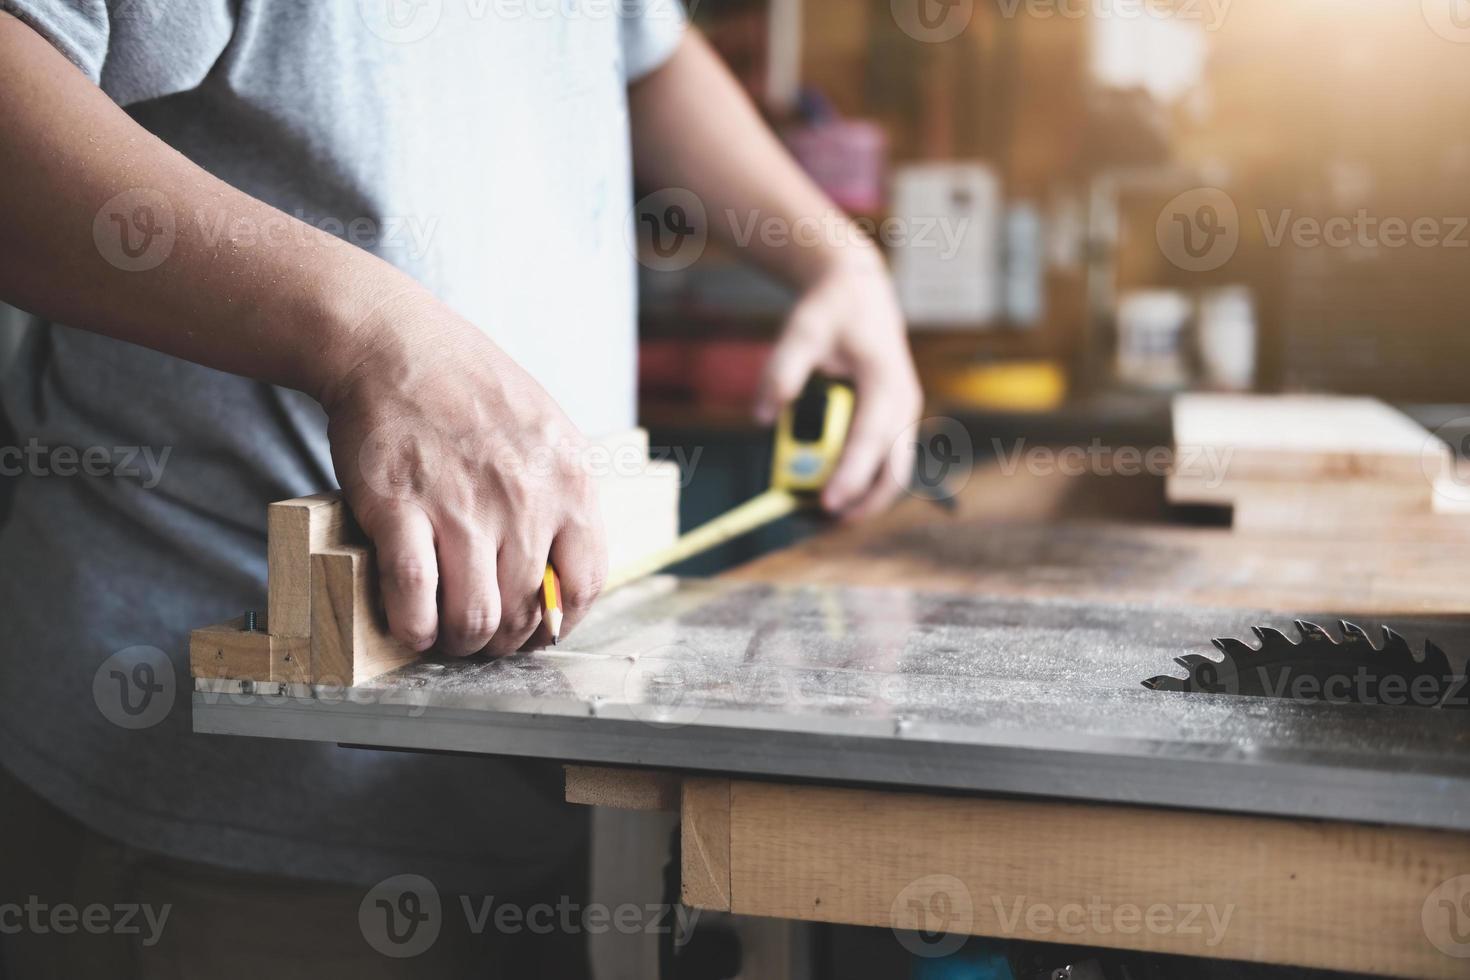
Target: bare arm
(694, 128)
(426, 414)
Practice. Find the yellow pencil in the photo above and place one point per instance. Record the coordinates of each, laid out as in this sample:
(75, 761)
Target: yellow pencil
(551, 597)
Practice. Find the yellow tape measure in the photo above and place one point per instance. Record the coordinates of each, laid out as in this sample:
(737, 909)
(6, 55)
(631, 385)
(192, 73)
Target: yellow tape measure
(810, 435)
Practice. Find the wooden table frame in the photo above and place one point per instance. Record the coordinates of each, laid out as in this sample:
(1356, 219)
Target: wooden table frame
(1301, 892)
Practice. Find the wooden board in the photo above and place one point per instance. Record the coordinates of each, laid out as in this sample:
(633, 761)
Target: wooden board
(1307, 438)
(295, 529)
(350, 642)
(226, 651)
(1307, 893)
(704, 823)
(1028, 535)
(622, 789)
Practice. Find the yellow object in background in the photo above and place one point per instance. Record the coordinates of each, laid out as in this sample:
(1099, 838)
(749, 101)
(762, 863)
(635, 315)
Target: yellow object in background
(1012, 386)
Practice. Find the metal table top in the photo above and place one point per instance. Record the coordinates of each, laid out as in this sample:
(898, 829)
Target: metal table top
(906, 689)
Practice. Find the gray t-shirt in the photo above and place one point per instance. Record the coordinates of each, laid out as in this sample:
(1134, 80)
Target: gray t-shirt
(481, 146)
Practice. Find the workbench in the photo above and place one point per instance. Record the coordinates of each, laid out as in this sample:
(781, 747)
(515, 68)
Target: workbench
(842, 762)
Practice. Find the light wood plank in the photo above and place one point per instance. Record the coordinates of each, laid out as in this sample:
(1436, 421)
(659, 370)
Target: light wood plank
(622, 789)
(350, 643)
(704, 820)
(1297, 438)
(295, 529)
(1308, 893)
(226, 651)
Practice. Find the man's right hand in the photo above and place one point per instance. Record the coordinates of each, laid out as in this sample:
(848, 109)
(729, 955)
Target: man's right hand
(466, 476)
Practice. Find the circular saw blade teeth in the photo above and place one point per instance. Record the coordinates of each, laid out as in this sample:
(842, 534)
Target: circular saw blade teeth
(1312, 633)
(1270, 636)
(1352, 631)
(1394, 643)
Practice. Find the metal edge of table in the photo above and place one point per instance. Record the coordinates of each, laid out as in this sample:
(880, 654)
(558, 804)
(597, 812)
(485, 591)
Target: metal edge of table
(1066, 769)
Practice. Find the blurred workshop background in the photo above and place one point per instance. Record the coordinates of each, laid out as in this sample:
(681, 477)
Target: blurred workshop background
(1090, 205)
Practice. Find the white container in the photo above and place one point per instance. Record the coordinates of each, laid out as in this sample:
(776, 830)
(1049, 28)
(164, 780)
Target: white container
(1152, 325)
(946, 255)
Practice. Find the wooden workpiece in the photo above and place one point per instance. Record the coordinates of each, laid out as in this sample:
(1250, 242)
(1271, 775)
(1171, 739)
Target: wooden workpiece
(325, 624)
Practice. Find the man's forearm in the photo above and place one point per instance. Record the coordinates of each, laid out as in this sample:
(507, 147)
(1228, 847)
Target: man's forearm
(694, 127)
(109, 229)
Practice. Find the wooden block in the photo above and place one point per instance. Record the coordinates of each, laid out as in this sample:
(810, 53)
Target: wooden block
(227, 652)
(1307, 893)
(295, 529)
(622, 789)
(704, 834)
(350, 643)
(1304, 438)
(640, 511)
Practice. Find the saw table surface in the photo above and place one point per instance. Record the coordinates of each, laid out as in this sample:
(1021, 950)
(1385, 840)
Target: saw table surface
(1000, 649)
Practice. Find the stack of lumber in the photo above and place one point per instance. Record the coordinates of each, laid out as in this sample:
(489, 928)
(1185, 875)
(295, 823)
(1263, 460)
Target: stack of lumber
(325, 624)
(1309, 463)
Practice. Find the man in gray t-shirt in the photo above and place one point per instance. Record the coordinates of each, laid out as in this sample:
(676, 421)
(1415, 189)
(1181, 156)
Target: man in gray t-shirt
(385, 243)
